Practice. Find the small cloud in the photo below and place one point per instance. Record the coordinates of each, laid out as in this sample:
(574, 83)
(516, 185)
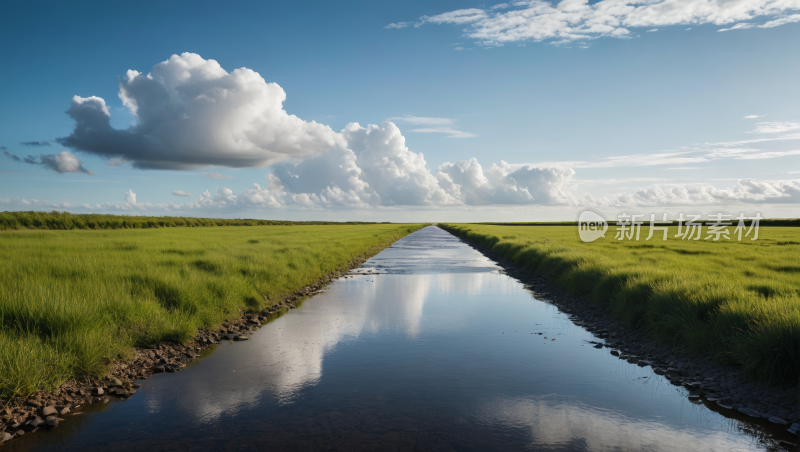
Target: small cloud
(116, 162)
(459, 48)
(421, 119)
(218, 176)
(452, 133)
(740, 26)
(782, 21)
(776, 127)
(688, 29)
(35, 143)
(398, 25)
(182, 193)
(429, 121)
(754, 116)
(12, 156)
(652, 30)
(3, 148)
(63, 162)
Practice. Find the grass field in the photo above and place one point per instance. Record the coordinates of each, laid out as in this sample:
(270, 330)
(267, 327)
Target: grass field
(73, 301)
(56, 220)
(737, 301)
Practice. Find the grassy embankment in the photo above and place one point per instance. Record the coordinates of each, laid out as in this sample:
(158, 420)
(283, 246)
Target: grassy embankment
(737, 301)
(73, 301)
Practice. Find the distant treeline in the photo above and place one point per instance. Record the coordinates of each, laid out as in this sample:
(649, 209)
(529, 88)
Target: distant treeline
(66, 220)
(646, 222)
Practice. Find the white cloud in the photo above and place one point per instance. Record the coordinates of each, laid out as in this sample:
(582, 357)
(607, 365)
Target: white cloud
(652, 30)
(658, 158)
(271, 197)
(781, 21)
(572, 20)
(422, 120)
(765, 155)
(375, 168)
(63, 162)
(192, 113)
(438, 124)
(218, 176)
(744, 191)
(116, 162)
(707, 153)
(754, 116)
(776, 127)
(460, 16)
(398, 25)
(771, 24)
(466, 181)
(741, 26)
(181, 193)
(788, 136)
(24, 202)
(451, 133)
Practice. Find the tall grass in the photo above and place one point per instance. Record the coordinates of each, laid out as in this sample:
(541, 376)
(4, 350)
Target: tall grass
(71, 302)
(736, 301)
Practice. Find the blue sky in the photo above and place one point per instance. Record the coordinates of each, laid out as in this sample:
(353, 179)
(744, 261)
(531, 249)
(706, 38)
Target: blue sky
(587, 108)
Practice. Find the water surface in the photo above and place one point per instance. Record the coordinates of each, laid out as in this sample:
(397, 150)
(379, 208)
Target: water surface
(435, 352)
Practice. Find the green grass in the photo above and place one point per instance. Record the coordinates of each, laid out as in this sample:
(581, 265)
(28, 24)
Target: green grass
(68, 221)
(71, 302)
(736, 301)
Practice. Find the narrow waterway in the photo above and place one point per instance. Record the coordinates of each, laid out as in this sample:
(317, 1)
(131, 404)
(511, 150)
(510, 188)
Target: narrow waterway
(436, 349)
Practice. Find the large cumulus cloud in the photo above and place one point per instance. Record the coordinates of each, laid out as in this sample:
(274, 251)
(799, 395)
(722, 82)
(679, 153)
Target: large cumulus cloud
(192, 113)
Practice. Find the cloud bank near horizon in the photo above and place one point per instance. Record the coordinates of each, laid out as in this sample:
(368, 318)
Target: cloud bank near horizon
(477, 190)
(193, 114)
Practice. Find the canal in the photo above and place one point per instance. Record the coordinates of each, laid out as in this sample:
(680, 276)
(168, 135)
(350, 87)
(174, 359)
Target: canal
(428, 346)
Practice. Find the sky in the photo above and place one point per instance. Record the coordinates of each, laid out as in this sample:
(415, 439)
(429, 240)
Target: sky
(401, 111)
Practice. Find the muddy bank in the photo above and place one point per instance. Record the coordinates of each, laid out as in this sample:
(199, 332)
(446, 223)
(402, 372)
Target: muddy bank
(44, 410)
(721, 387)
